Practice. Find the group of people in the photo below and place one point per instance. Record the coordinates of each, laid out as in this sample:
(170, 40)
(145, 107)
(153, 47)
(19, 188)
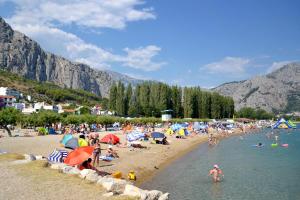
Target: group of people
(93, 140)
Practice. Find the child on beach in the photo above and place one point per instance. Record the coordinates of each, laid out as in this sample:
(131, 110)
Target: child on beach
(216, 173)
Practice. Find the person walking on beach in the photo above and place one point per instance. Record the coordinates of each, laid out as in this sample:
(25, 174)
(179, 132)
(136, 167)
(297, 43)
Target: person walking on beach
(216, 173)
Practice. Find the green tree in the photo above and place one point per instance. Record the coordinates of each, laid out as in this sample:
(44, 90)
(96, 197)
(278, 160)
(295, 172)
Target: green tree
(120, 100)
(127, 98)
(8, 117)
(113, 97)
(84, 110)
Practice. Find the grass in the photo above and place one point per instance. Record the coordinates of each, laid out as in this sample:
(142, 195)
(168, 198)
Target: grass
(45, 179)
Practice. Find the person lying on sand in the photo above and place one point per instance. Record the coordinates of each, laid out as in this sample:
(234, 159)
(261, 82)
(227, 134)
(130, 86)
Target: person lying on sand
(216, 173)
(111, 152)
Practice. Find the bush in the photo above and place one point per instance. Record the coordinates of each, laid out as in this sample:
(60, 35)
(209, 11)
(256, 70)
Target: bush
(42, 131)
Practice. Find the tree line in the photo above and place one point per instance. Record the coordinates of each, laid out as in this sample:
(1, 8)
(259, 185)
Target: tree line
(150, 98)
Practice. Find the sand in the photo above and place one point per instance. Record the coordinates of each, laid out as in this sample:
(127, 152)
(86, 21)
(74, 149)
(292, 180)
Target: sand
(145, 162)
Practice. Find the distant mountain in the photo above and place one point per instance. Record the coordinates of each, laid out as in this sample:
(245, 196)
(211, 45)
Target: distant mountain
(21, 55)
(278, 91)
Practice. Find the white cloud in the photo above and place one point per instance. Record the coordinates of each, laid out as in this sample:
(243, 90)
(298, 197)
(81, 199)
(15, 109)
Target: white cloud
(141, 58)
(41, 20)
(228, 66)
(90, 13)
(277, 65)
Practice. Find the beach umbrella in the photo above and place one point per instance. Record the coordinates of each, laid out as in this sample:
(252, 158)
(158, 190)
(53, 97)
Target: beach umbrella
(72, 143)
(110, 138)
(79, 155)
(66, 138)
(157, 135)
(176, 127)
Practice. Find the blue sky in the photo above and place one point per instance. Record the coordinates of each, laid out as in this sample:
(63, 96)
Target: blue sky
(191, 42)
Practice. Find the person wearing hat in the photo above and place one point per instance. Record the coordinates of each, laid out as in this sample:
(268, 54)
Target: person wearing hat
(216, 173)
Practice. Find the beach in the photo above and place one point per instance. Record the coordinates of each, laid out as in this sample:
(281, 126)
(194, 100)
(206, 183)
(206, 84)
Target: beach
(146, 163)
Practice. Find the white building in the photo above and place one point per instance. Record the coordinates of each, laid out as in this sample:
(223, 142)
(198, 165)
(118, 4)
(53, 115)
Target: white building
(5, 91)
(7, 101)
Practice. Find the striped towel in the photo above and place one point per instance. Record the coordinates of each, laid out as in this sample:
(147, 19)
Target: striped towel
(57, 156)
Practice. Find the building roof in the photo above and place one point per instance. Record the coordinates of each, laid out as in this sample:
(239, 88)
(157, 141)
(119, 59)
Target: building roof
(6, 96)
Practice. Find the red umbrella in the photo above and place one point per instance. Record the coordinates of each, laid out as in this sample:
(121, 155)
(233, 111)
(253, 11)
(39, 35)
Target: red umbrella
(110, 138)
(79, 155)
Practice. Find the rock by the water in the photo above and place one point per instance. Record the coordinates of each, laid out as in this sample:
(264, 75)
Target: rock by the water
(92, 177)
(133, 191)
(85, 172)
(116, 186)
(164, 196)
(58, 166)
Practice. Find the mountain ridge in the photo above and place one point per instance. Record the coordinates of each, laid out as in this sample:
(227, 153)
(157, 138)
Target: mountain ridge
(278, 91)
(21, 55)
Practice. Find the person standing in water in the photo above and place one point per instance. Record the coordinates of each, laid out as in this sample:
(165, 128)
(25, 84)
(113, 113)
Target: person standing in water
(216, 173)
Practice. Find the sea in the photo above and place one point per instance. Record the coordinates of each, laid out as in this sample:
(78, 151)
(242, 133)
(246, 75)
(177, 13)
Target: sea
(264, 173)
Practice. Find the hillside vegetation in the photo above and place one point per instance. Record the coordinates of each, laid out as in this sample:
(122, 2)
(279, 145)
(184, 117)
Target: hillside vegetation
(48, 92)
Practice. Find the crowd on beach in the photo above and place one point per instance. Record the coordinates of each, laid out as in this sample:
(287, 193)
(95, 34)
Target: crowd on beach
(141, 136)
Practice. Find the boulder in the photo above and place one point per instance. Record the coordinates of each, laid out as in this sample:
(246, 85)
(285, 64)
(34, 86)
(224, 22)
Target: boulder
(164, 196)
(131, 190)
(116, 186)
(30, 157)
(153, 195)
(58, 166)
(92, 177)
(88, 172)
(71, 170)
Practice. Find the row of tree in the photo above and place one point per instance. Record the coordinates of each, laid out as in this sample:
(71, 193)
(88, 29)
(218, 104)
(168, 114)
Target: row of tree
(252, 113)
(150, 98)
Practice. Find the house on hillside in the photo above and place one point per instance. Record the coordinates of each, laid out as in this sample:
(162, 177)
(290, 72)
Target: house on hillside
(7, 101)
(5, 91)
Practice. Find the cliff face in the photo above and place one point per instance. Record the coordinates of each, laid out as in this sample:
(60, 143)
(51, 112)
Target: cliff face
(277, 91)
(21, 55)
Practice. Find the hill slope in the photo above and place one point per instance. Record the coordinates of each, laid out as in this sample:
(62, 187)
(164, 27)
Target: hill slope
(21, 55)
(48, 92)
(277, 91)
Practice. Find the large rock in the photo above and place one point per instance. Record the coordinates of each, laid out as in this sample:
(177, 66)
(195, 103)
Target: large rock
(18, 162)
(151, 195)
(133, 191)
(109, 194)
(89, 174)
(164, 196)
(58, 166)
(116, 186)
(71, 170)
(92, 177)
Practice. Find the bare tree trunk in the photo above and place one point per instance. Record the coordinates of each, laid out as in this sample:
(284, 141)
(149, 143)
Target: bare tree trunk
(8, 131)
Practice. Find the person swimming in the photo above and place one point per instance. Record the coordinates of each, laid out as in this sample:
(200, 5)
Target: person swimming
(216, 174)
(259, 144)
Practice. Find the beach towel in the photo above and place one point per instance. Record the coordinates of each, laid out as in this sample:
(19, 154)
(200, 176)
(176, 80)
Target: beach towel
(106, 158)
(133, 136)
(57, 156)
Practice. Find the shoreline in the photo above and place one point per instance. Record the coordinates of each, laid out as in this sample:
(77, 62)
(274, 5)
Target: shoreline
(168, 162)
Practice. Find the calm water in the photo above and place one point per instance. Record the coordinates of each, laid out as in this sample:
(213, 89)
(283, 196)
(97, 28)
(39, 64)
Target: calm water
(250, 173)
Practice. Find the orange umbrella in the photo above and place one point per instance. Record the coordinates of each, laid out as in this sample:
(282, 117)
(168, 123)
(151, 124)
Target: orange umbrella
(79, 155)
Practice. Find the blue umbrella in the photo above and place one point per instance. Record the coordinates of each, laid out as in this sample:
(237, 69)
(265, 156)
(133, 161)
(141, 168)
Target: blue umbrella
(157, 135)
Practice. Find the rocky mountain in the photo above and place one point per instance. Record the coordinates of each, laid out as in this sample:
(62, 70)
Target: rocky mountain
(278, 91)
(21, 55)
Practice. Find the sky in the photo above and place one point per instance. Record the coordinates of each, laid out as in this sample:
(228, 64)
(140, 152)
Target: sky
(188, 43)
